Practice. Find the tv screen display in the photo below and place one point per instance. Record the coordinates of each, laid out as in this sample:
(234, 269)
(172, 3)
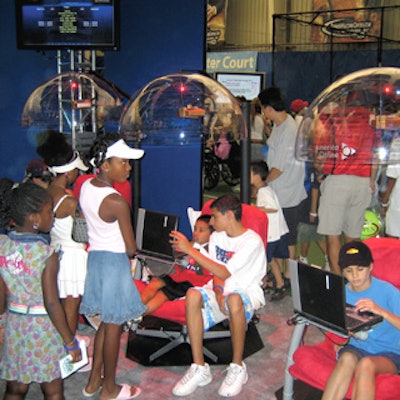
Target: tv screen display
(246, 84)
(52, 24)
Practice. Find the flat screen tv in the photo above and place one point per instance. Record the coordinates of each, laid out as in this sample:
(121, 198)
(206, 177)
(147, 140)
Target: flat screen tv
(60, 24)
(246, 84)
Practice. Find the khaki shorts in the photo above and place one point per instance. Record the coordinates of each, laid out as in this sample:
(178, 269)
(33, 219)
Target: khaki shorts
(308, 233)
(344, 199)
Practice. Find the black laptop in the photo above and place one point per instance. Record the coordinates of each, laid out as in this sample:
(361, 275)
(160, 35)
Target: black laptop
(320, 297)
(153, 239)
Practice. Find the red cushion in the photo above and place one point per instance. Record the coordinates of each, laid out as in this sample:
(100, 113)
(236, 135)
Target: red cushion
(386, 255)
(121, 187)
(310, 359)
(313, 364)
(171, 310)
(252, 218)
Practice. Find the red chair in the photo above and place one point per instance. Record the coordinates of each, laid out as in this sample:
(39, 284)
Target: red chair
(313, 364)
(174, 311)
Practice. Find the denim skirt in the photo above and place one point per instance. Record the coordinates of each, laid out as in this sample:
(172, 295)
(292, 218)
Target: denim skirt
(109, 288)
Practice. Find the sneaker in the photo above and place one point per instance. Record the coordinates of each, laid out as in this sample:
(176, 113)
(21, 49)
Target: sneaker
(303, 260)
(133, 324)
(234, 380)
(327, 266)
(196, 375)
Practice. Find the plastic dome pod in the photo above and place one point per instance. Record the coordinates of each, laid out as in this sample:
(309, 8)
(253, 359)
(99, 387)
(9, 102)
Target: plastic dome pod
(181, 109)
(75, 103)
(354, 121)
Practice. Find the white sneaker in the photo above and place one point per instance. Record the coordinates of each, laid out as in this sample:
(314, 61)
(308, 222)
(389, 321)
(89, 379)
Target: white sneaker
(196, 375)
(303, 260)
(234, 380)
(327, 265)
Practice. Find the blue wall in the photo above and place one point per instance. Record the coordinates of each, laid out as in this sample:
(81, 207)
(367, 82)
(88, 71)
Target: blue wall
(306, 74)
(157, 38)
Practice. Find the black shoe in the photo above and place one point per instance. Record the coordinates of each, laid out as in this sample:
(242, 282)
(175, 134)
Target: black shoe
(279, 294)
(286, 283)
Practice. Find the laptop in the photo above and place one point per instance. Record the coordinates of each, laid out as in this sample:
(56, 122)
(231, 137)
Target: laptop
(152, 240)
(320, 297)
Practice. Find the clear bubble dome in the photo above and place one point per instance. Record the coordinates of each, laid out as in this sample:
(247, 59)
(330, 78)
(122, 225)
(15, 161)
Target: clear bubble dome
(181, 109)
(73, 101)
(354, 121)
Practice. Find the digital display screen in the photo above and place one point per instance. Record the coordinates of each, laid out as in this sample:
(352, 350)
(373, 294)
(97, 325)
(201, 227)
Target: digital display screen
(52, 24)
(248, 85)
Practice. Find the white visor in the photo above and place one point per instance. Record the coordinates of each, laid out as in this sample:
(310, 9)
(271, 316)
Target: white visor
(76, 162)
(121, 150)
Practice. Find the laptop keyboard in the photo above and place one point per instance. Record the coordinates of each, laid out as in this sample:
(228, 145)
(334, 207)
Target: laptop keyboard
(351, 322)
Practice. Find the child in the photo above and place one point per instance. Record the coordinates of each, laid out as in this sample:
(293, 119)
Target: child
(307, 228)
(188, 273)
(109, 288)
(35, 325)
(277, 249)
(237, 261)
(380, 352)
(64, 163)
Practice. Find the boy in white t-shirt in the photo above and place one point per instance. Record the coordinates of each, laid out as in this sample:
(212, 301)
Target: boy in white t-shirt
(237, 261)
(277, 249)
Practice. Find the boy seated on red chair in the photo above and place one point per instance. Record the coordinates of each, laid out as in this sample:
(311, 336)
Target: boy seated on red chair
(380, 352)
(238, 262)
(188, 273)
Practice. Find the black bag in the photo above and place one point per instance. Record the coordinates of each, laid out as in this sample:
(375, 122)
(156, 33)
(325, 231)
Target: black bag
(79, 229)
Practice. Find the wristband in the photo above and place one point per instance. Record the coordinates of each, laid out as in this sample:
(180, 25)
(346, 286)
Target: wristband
(384, 205)
(74, 347)
(313, 214)
(219, 287)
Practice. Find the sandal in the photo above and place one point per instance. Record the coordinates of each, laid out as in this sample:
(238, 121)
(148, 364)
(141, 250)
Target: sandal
(278, 294)
(125, 392)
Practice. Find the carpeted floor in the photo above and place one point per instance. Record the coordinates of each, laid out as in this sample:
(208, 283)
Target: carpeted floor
(266, 366)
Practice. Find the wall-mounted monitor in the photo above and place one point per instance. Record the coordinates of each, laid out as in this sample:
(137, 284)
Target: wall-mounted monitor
(60, 24)
(247, 84)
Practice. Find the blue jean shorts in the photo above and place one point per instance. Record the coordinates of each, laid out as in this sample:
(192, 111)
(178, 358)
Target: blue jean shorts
(395, 358)
(109, 288)
(212, 315)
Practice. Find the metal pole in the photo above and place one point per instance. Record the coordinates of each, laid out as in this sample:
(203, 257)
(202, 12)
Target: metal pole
(245, 155)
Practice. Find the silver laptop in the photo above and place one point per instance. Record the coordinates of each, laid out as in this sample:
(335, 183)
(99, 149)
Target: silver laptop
(320, 297)
(152, 239)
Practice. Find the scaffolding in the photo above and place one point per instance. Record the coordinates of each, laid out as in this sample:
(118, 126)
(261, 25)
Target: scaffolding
(369, 28)
(77, 106)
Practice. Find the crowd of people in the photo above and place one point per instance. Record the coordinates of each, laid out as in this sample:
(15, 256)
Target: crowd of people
(222, 270)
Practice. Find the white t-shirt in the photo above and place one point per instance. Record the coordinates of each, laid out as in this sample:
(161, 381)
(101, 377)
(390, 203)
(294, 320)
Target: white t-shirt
(277, 226)
(245, 258)
(289, 186)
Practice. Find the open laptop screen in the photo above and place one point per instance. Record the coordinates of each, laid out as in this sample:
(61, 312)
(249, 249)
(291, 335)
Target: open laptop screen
(152, 233)
(322, 295)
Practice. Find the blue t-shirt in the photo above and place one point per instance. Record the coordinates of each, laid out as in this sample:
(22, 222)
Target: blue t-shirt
(384, 336)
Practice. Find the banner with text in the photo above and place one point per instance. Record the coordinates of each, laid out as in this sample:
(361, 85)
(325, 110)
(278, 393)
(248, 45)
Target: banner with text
(339, 23)
(241, 61)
